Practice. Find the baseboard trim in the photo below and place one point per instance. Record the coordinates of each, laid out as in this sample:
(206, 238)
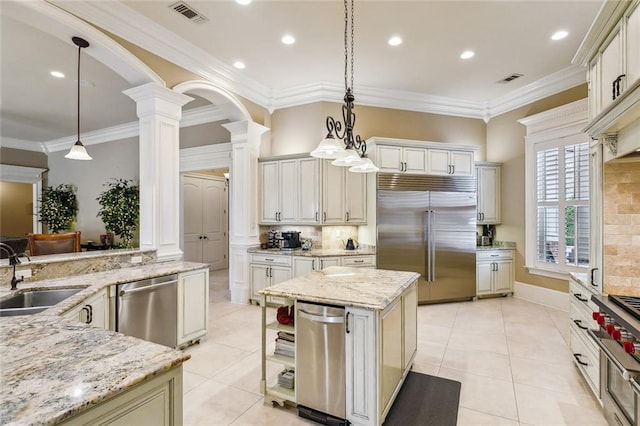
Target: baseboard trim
(543, 296)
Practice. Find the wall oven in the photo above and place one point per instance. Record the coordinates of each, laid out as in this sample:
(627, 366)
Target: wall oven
(618, 339)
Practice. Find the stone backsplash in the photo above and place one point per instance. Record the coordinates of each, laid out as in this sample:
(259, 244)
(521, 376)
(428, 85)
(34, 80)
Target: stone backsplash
(621, 216)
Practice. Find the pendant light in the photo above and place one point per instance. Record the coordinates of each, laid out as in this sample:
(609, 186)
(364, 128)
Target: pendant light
(78, 151)
(341, 145)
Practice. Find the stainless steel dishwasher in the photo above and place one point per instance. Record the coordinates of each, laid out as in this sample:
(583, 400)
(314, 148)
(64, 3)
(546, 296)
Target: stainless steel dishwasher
(320, 361)
(148, 309)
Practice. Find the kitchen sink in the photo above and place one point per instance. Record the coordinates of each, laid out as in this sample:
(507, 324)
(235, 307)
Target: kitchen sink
(32, 302)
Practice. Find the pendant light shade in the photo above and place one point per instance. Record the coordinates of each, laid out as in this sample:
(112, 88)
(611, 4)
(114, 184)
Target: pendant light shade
(351, 159)
(329, 148)
(366, 166)
(78, 151)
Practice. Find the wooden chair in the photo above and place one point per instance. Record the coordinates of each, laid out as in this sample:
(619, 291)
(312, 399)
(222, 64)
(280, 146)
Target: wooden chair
(41, 244)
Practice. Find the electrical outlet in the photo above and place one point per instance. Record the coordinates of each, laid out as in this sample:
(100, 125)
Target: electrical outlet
(23, 273)
(136, 259)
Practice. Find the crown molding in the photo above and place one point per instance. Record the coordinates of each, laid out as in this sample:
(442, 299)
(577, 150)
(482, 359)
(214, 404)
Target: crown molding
(129, 24)
(192, 117)
(9, 173)
(205, 157)
(22, 144)
(558, 122)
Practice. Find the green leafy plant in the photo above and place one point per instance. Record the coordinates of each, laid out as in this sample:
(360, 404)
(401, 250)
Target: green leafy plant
(58, 207)
(119, 209)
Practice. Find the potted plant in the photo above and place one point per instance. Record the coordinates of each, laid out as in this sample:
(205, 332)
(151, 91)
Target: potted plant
(58, 207)
(119, 209)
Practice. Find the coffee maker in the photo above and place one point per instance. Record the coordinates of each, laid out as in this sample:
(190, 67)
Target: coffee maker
(290, 240)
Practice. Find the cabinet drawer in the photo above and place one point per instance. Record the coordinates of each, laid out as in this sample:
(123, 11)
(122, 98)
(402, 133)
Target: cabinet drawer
(359, 261)
(494, 255)
(271, 259)
(582, 296)
(584, 355)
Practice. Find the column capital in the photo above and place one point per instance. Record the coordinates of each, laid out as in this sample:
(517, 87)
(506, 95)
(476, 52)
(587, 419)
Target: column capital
(241, 130)
(153, 98)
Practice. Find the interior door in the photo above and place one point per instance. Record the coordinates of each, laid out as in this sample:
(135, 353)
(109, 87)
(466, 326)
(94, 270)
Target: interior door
(214, 223)
(192, 219)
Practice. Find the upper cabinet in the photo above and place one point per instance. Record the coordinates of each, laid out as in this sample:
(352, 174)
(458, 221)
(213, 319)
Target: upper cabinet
(611, 51)
(418, 157)
(488, 178)
(310, 191)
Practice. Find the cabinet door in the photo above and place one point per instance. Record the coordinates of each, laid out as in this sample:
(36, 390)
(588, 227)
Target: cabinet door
(309, 191)
(484, 276)
(279, 274)
(415, 160)
(391, 345)
(389, 158)
(288, 192)
(438, 162)
(333, 183)
(462, 163)
(356, 197)
(192, 219)
(94, 310)
(410, 323)
(360, 350)
(270, 191)
(502, 276)
(302, 266)
(193, 305)
(259, 279)
(325, 262)
(633, 46)
(610, 68)
(488, 194)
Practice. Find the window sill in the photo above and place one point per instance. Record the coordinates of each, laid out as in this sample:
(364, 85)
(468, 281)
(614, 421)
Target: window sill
(546, 273)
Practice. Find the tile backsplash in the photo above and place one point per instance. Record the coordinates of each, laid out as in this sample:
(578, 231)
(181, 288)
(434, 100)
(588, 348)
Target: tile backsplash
(327, 237)
(621, 216)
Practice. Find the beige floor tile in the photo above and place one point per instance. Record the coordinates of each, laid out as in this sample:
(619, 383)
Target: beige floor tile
(247, 373)
(538, 406)
(423, 363)
(534, 333)
(479, 340)
(214, 403)
(438, 315)
(430, 352)
(243, 337)
(481, 363)
(210, 358)
(536, 351)
(433, 333)
(191, 380)
(266, 415)
(484, 394)
(559, 377)
(467, 417)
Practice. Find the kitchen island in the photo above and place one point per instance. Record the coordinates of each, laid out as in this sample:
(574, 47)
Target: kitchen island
(56, 369)
(380, 341)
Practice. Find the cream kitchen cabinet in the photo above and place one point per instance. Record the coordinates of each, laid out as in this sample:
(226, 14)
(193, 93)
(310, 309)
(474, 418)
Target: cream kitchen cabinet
(450, 162)
(364, 261)
(279, 191)
(308, 200)
(267, 270)
(398, 159)
(488, 191)
(494, 272)
(193, 305)
(94, 310)
(303, 265)
(344, 195)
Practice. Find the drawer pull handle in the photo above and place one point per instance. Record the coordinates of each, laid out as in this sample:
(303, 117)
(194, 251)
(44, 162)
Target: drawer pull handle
(579, 297)
(579, 324)
(577, 357)
(358, 261)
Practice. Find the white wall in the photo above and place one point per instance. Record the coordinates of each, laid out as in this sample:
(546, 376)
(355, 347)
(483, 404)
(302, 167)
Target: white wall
(118, 159)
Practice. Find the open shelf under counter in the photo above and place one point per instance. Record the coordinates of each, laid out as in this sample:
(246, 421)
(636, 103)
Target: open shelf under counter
(275, 325)
(282, 392)
(287, 361)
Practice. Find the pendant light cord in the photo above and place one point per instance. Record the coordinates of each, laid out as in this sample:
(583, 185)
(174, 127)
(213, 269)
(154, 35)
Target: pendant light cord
(346, 44)
(79, 49)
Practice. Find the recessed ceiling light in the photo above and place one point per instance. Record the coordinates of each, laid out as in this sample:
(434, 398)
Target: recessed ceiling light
(288, 39)
(559, 35)
(57, 74)
(395, 41)
(467, 54)
(243, 2)
(239, 64)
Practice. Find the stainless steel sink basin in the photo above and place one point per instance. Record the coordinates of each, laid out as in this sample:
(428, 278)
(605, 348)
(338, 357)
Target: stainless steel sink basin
(31, 302)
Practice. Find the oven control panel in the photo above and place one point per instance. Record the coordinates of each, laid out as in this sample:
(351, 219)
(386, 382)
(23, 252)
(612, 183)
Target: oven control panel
(618, 333)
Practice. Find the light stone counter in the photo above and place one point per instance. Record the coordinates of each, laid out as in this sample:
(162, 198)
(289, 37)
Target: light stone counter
(364, 288)
(498, 245)
(365, 251)
(53, 368)
(580, 277)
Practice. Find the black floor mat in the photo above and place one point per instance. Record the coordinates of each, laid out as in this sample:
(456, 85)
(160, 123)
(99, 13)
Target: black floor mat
(425, 400)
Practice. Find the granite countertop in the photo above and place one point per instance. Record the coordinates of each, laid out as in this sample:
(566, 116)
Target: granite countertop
(65, 257)
(498, 245)
(54, 368)
(364, 288)
(580, 277)
(318, 252)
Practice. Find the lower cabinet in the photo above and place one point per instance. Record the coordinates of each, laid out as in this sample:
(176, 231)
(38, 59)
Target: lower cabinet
(306, 265)
(193, 305)
(365, 261)
(94, 310)
(267, 270)
(494, 272)
(155, 402)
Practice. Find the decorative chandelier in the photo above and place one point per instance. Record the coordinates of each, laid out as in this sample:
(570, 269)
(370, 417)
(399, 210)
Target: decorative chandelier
(78, 151)
(340, 144)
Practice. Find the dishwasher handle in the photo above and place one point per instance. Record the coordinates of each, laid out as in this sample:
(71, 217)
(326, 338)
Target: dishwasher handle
(321, 318)
(147, 288)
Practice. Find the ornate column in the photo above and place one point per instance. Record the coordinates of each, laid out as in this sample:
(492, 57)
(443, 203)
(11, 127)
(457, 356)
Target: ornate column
(159, 110)
(246, 137)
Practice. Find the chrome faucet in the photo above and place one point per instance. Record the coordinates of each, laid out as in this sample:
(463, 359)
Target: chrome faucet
(13, 261)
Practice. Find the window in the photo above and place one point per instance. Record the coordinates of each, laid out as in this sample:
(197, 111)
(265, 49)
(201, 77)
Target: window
(557, 191)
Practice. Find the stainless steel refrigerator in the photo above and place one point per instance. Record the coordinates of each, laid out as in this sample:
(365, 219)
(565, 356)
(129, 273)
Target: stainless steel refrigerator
(427, 224)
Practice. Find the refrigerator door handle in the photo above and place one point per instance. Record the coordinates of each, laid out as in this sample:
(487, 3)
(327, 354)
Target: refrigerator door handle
(427, 243)
(432, 244)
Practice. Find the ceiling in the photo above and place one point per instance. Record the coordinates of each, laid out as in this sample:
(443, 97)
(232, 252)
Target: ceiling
(507, 37)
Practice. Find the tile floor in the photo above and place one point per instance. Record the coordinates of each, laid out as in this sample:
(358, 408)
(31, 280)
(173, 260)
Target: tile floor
(510, 355)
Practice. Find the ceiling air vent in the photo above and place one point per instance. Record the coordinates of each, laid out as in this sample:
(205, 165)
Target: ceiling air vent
(189, 12)
(509, 78)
